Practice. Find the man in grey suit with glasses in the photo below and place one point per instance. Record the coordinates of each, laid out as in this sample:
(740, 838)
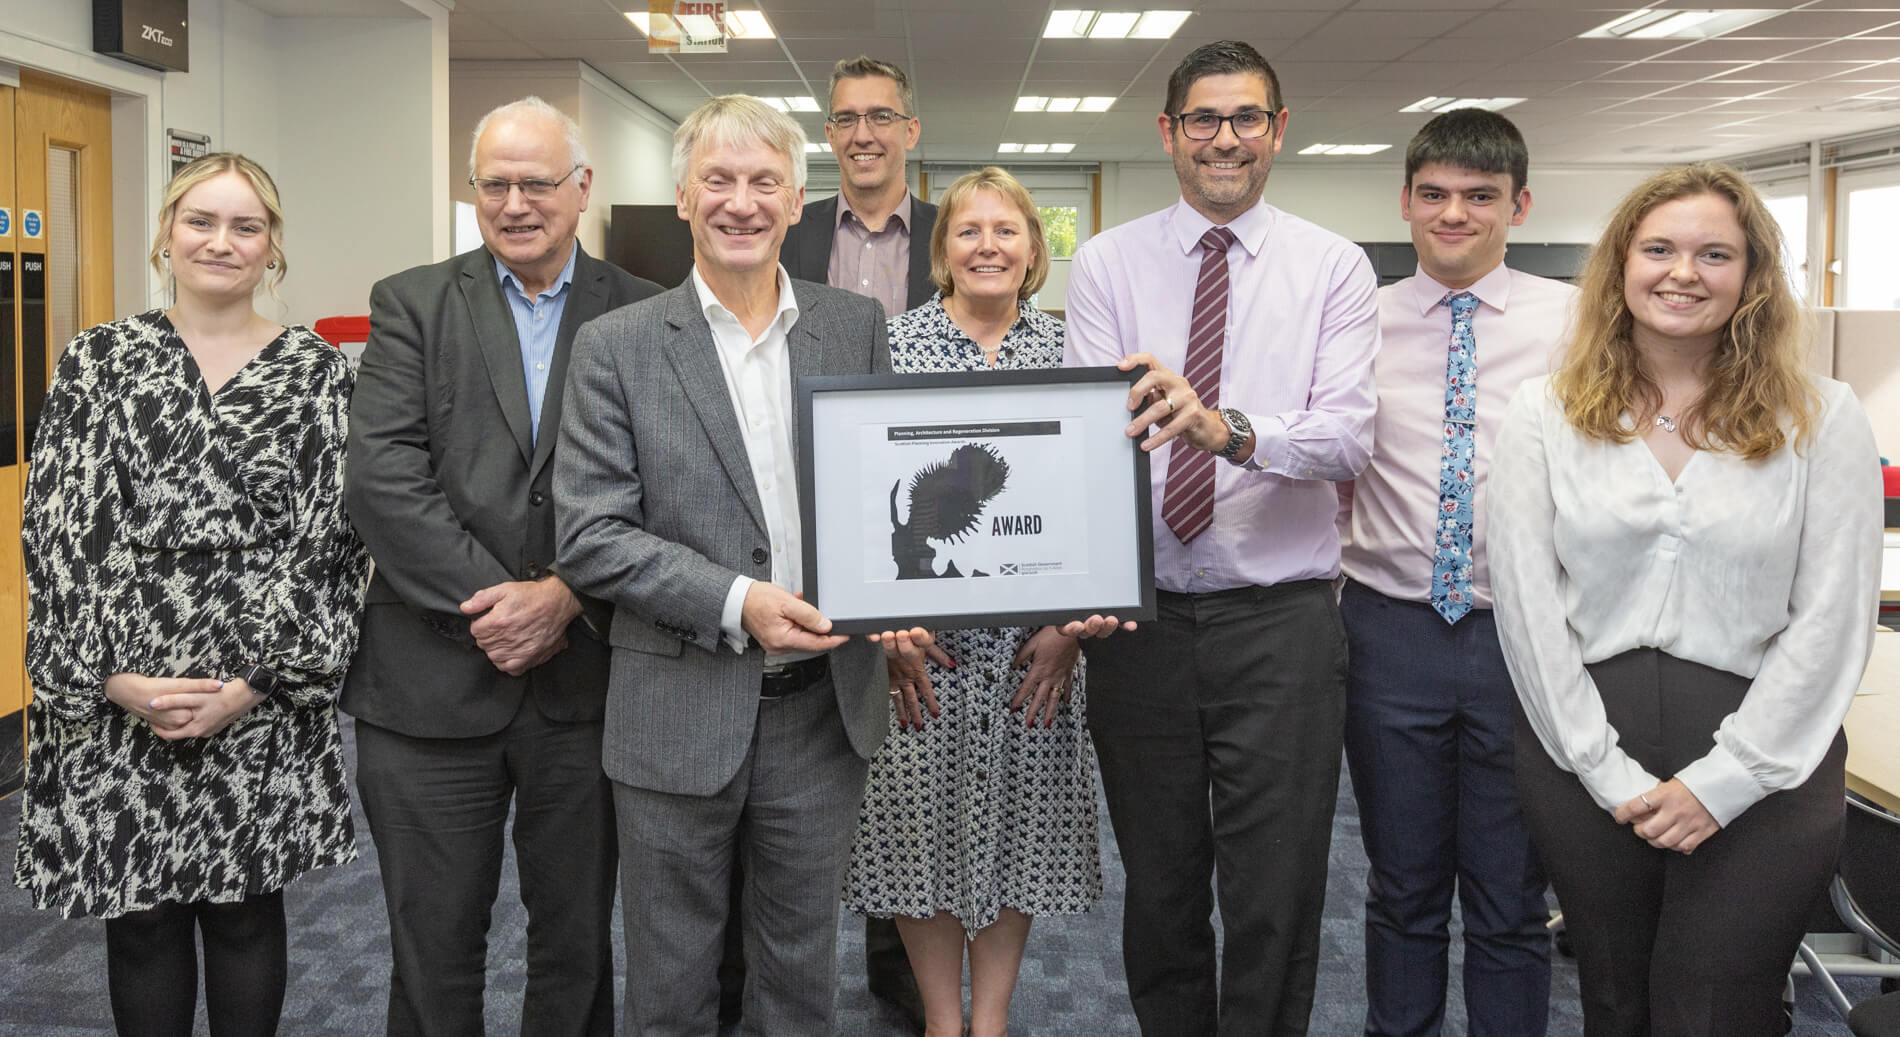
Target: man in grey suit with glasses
(738, 727)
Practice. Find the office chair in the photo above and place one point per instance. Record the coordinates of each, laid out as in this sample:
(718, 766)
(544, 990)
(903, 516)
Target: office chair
(1866, 895)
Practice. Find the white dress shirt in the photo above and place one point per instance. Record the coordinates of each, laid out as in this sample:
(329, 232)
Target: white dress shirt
(759, 380)
(1767, 569)
(1518, 328)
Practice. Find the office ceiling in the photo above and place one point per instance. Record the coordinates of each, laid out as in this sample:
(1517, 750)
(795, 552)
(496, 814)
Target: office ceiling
(1817, 69)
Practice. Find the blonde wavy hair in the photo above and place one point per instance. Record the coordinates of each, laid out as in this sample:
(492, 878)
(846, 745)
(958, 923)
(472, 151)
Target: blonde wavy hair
(997, 179)
(1758, 387)
(210, 167)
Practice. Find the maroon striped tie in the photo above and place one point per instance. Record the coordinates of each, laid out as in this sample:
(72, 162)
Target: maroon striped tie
(1187, 506)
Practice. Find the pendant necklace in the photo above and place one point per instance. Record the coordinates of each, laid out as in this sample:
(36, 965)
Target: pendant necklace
(1665, 422)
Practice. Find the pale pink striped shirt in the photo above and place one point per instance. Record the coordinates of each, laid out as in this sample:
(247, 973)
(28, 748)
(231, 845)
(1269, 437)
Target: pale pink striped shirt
(877, 265)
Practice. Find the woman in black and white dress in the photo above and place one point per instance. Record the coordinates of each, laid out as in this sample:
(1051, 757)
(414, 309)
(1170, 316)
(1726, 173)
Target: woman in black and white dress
(194, 595)
(982, 816)
(1685, 540)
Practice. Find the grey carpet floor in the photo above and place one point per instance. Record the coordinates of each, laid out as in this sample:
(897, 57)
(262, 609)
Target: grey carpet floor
(52, 972)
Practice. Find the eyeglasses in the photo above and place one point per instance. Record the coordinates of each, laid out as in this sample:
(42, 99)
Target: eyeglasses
(882, 119)
(1251, 124)
(534, 189)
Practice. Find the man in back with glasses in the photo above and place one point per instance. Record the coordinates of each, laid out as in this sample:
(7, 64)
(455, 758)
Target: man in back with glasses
(1218, 724)
(872, 238)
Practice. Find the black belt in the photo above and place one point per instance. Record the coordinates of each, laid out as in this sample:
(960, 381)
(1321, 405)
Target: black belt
(791, 678)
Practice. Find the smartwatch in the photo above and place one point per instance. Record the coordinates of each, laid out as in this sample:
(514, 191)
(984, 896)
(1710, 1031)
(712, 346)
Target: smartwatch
(262, 681)
(1238, 429)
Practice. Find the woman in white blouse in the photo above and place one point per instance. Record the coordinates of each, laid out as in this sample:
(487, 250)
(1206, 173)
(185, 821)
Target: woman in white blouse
(1685, 537)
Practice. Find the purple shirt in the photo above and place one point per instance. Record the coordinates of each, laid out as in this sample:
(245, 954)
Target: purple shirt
(877, 265)
(1302, 330)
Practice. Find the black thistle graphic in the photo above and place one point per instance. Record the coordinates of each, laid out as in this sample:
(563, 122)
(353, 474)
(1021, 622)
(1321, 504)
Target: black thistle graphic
(946, 500)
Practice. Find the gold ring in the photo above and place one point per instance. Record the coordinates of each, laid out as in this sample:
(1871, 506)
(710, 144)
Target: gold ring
(1170, 400)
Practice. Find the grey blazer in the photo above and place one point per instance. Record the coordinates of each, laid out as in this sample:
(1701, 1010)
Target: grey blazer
(660, 514)
(807, 252)
(452, 491)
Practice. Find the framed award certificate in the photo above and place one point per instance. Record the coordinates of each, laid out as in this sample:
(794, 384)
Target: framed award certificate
(973, 499)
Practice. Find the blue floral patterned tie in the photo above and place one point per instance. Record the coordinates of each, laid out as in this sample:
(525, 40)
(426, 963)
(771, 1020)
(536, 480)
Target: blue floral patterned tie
(1451, 560)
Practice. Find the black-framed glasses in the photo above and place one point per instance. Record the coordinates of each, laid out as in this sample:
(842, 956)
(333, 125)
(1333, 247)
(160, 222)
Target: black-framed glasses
(535, 189)
(1251, 124)
(882, 119)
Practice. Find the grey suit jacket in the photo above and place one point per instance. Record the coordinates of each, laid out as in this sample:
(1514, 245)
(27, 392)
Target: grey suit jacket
(453, 491)
(807, 251)
(661, 514)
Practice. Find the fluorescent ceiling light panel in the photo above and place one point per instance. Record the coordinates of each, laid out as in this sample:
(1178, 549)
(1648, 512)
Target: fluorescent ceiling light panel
(1445, 104)
(777, 102)
(1063, 104)
(1428, 104)
(1029, 103)
(1061, 149)
(1009, 149)
(1657, 23)
(1113, 25)
(803, 103)
(1035, 149)
(1158, 25)
(1097, 104)
(748, 25)
(641, 21)
(1067, 25)
(814, 147)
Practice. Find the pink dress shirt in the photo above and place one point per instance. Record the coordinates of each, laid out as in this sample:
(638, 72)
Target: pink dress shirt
(1302, 328)
(1519, 327)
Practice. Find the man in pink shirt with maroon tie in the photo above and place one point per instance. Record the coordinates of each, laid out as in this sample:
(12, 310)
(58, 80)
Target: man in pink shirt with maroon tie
(1430, 707)
(1218, 724)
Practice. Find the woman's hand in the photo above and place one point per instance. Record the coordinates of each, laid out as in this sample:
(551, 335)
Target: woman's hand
(1051, 656)
(1669, 817)
(904, 655)
(181, 707)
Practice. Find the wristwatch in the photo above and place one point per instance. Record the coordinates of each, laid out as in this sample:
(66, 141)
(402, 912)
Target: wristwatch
(262, 681)
(1238, 431)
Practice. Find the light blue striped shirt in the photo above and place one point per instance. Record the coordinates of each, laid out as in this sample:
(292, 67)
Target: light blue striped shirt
(537, 326)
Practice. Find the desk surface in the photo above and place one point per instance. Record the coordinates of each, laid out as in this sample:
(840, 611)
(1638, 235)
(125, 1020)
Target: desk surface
(1873, 727)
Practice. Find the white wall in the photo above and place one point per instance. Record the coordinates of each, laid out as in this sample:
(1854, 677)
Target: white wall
(342, 111)
(629, 143)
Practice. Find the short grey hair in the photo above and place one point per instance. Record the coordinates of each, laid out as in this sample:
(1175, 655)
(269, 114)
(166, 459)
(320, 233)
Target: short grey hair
(532, 105)
(739, 119)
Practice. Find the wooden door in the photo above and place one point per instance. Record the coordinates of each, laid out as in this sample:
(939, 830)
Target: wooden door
(56, 184)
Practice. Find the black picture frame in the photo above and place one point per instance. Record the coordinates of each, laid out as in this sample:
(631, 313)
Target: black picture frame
(1051, 439)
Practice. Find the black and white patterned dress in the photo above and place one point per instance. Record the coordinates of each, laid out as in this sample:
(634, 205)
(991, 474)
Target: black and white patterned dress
(976, 812)
(171, 532)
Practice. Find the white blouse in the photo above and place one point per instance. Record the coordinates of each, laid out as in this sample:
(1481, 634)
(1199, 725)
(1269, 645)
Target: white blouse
(1768, 569)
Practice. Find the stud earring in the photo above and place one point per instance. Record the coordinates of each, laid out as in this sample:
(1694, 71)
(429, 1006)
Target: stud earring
(272, 265)
(165, 252)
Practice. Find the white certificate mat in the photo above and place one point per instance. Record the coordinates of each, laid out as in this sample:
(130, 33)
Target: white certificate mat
(965, 500)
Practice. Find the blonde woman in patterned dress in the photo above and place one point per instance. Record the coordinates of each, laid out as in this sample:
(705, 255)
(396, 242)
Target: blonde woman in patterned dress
(194, 590)
(981, 816)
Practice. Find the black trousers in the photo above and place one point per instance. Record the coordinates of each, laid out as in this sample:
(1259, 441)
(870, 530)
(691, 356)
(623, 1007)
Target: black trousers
(438, 809)
(1671, 944)
(1218, 728)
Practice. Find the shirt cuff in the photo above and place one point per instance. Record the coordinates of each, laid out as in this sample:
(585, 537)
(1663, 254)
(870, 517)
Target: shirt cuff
(730, 626)
(1617, 780)
(1722, 784)
(1269, 441)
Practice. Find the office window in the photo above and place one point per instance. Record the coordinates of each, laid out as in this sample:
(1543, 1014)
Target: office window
(1791, 211)
(1870, 256)
(1059, 224)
